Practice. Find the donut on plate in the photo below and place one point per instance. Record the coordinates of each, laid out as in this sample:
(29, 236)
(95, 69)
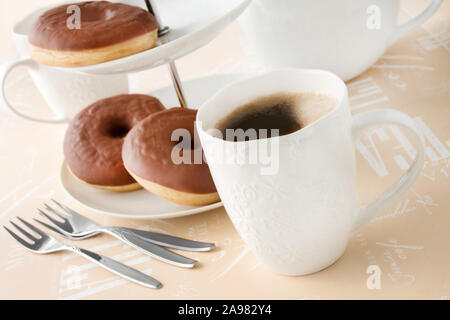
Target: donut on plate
(149, 156)
(94, 138)
(108, 31)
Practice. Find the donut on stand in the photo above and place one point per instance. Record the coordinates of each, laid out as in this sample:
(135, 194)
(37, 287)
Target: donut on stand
(148, 154)
(94, 138)
(107, 31)
(124, 143)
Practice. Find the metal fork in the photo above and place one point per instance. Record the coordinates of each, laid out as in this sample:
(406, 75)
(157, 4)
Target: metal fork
(77, 227)
(47, 244)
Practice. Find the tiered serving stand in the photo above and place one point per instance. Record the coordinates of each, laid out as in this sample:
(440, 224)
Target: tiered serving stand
(184, 27)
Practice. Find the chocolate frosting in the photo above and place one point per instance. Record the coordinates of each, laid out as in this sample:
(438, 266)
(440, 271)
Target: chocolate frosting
(102, 24)
(94, 138)
(147, 152)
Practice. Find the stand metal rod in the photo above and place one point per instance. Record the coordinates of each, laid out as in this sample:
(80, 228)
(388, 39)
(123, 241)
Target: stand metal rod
(163, 30)
(177, 84)
(154, 11)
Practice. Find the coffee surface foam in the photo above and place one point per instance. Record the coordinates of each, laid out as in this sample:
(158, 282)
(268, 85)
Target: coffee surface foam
(285, 111)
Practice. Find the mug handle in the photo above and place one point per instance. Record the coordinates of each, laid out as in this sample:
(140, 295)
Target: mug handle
(401, 30)
(361, 122)
(7, 68)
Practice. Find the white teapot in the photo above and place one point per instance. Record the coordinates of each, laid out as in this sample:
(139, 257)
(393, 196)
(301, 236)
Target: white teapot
(344, 36)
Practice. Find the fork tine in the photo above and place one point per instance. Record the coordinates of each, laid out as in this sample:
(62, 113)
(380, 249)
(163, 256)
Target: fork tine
(29, 225)
(62, 216)
(66, 209)
(49, 227)
(19, 239)
(56, 222)
(30, 236)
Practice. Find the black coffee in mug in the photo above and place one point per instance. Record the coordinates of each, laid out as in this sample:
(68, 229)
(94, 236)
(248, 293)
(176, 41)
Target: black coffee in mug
(283, 112)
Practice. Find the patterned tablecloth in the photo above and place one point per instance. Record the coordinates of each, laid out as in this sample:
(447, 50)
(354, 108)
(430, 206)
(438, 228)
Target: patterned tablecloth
(409, 242)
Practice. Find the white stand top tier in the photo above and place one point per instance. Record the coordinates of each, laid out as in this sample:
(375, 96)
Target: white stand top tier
(193, 23)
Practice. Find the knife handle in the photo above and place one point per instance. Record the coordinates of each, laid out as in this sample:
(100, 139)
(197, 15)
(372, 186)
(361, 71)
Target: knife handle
(118, 268)
(171, 241)
(151, 249)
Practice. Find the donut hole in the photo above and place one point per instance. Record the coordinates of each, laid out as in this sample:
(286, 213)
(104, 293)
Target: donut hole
(117, 129)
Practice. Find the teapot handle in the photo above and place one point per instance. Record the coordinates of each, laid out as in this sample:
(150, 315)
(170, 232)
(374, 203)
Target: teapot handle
(401, 30)
(6, 70)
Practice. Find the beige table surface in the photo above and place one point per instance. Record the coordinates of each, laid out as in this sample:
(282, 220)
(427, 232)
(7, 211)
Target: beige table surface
(410, 241)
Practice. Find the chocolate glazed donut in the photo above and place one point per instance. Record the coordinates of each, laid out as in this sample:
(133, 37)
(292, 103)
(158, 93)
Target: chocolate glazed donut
(107, 31)
(94, 139)
(148, 153)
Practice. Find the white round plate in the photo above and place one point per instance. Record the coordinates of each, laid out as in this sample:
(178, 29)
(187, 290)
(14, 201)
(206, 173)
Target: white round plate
(192, 24)
(142, 204)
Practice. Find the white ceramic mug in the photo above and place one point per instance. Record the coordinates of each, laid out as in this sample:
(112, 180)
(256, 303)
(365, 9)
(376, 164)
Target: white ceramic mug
(298, 220)
(345, 36)
(66, 92)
